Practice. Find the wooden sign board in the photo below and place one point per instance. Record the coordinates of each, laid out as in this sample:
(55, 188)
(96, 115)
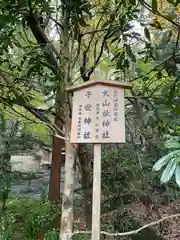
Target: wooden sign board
(98, 115)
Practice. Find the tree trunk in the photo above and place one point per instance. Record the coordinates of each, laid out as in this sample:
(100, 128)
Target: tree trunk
(85, 160)
(68, 193)
(54, 185)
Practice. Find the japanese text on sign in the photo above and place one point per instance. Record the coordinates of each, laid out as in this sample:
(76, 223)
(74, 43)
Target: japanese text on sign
(79, 122)
(115, 105)
(98, 115)
(106, 113)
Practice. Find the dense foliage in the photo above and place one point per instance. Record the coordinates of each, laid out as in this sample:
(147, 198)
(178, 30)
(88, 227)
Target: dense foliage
(46, 46)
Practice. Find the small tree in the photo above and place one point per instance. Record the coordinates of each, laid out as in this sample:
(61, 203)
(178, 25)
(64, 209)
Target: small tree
(5, 179)
(8, 131)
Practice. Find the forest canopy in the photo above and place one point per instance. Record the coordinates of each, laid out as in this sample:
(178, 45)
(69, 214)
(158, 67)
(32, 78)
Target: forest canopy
(47, 46)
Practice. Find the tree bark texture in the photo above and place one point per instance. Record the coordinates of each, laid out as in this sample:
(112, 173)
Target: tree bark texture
(54, 184)
(85, 160)
(68, 193)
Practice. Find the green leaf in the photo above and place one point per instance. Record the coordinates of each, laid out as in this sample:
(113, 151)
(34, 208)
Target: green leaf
(177, 175)
(172, 15)
(132, 2)
(82, 22)
(147, 116)
(169, 171)
(173, 142)
(170, 1)
(154, 6)
(166, 37)
(49, 84)
(161, 162)
(147, 33)
(172, 91)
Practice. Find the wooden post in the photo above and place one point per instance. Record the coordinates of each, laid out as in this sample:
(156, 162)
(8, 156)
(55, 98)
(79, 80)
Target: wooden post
(98, 117)
(96, 208)
(67, 202)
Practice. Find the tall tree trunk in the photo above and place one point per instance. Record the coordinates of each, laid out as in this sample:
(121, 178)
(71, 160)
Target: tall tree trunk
(85, 160)
(71, 150)
(68, 195)
(54, 185)
(57, 144)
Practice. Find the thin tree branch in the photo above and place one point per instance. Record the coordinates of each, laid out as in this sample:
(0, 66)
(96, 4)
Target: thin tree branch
(78, 51)
(49, 66)
(18, 113)
(40, 35)
(94, 31)
(57, 23)
(93, 34)
(32, 110)
(147, 6)
(98, 58)
(90, 68)
(133, 232)
(154, 69)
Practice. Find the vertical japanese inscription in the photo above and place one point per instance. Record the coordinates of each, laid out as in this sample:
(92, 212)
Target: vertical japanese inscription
(97, 121)
(98, 115)
(87, 120)
(106, 114)
(115, 105)
(79, 121)
(88, 94)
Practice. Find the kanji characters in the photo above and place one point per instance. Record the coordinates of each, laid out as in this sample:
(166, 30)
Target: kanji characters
(106, 103)
(106, 123)
(78, 135)
(105, 93)
(86, 135)
(105, 134)
(88, 107)
(115, 105)
(97, 119)
(79, 127)
(88, 94)
(80, 109)
(87, 120)
(106, 113)
(97, 109)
